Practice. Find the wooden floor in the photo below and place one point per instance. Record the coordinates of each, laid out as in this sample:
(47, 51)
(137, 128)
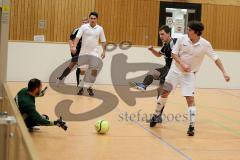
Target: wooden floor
(217, 129)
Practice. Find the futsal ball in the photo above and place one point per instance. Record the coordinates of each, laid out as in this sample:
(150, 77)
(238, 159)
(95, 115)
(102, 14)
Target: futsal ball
(102, 126)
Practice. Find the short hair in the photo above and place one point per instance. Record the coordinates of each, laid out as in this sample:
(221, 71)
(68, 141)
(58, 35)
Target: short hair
(166, 29)
(33, 84)
(197, 26)
(93, 14)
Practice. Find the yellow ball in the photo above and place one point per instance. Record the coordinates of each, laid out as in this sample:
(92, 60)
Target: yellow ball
(102, 126)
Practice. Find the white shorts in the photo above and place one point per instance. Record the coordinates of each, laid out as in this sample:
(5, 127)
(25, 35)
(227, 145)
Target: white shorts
(88, 61)
(185, 80)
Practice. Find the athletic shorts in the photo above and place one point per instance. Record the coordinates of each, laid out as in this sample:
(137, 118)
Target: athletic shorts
(163, 73)
(90, 60)
(185, 80)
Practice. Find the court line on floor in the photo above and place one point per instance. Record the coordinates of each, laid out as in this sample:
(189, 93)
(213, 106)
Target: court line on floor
(163, 141)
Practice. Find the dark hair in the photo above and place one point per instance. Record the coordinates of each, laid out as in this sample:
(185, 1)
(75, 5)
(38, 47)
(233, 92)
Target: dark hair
(166, 29)
(33, 84)
(93, 14)
(197, 26)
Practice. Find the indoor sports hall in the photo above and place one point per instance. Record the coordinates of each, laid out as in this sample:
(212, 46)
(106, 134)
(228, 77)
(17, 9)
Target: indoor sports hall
(119, 79)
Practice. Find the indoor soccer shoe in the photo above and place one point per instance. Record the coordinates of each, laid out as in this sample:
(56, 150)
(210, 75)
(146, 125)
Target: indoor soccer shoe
(155, 119)
(90, 91)
(190, 131)
(139, 86)
(81, 90)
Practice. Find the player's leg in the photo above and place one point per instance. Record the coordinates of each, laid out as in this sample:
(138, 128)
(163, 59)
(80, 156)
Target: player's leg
(91, 74)
(162, 85)
(78, 75)
(80, 72)
(191, 115)
(151, 75)
(188, 89)
(74, 61)
(84, 61)
(171, 82)
(31, 125)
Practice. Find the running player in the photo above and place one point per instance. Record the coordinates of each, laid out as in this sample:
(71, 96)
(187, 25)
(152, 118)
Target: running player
(188, 54)
(90, 34)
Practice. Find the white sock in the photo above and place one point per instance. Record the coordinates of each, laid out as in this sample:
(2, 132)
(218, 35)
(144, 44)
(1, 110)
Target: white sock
(160, 104)
(192, 115)
(81, 77)
(81, 83)
(81, 80)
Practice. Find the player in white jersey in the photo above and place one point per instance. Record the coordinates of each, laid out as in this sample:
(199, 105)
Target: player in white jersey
(75, 56)
(188, 54)
(90, 34)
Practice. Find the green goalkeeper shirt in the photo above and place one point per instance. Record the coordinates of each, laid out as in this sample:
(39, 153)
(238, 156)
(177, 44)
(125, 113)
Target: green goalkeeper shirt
(27, 107)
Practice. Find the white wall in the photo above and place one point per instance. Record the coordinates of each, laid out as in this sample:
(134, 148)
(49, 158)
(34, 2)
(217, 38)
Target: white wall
(28, 60)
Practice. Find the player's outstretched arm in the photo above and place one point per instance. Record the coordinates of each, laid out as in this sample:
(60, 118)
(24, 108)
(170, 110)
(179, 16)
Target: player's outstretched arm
(104, 46)
(154, 52)
(221, 67)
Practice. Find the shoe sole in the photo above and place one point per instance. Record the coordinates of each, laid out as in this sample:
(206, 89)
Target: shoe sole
(134, 85)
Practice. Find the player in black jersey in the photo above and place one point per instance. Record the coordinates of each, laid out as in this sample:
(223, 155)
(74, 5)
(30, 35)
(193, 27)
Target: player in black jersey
(159, 73)
(166, 51)
(75, 56)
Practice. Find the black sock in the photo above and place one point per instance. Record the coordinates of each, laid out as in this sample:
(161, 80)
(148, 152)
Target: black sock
(162, 109)
(78, 71)
(65, 73)
(148, 80)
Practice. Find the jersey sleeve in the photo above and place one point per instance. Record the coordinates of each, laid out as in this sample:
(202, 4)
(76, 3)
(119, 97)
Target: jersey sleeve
(36, 117)
(213, 55)
(73, 34)
(102, 36)
(177, 46)
(80, 32)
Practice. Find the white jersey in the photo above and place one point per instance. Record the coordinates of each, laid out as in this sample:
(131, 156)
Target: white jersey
(90, 38)
(192, 54)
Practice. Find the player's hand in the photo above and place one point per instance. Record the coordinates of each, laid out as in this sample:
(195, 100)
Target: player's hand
(186, 67)
(226, 77)
(150, 48)
(103, 55)
(73, 50)
(60, 123)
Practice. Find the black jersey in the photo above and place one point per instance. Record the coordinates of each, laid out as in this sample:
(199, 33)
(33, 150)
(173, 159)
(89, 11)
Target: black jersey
(167, 52)
(73, 36)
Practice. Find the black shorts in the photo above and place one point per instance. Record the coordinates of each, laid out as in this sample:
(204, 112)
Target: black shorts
(75, 56)
(163, 73)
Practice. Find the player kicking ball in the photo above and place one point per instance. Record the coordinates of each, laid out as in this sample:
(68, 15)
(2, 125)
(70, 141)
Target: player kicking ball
(188, 54)
(159, 73)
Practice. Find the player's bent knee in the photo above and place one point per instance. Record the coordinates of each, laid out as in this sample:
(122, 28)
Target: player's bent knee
(190, 100)
(154, 73)
(94, 72)
(82, 72)
(167, 86)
